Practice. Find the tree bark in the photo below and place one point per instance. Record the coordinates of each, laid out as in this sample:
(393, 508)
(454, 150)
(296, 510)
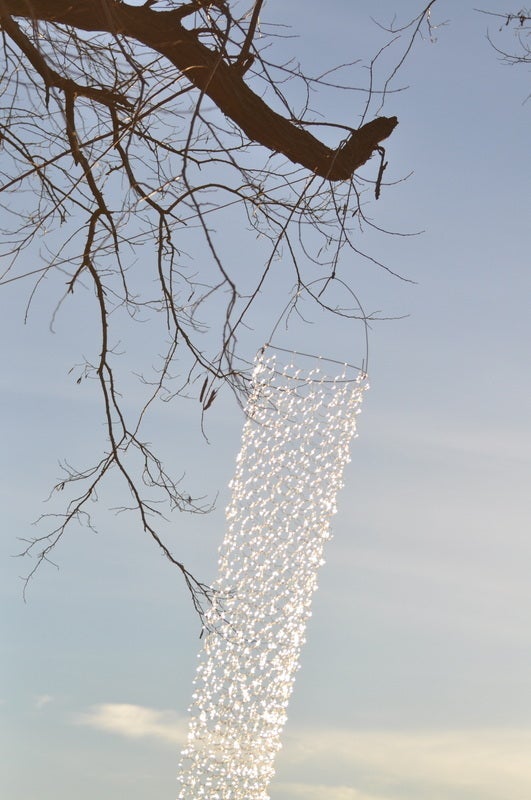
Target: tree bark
(163, 32)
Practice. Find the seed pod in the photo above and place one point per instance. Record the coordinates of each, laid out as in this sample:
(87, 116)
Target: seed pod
(203, 389)
(210, 400)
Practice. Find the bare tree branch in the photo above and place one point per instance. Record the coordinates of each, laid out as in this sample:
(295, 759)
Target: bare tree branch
(130, 138)
(163, 32)
(519, 23)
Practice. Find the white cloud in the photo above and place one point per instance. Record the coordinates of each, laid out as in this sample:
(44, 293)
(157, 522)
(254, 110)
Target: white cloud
(135, 722)
(490, 763)
(43, 700)
(307, 791)
(486, 763)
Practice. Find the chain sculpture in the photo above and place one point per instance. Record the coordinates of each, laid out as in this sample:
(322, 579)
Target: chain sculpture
(295, 446)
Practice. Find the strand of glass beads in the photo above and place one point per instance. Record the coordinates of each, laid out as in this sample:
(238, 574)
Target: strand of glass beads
(295, 445)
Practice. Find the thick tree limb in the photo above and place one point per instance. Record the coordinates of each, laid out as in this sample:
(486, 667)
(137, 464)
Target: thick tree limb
(163, 32)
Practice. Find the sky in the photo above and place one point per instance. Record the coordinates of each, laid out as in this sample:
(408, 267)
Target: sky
(415, 680)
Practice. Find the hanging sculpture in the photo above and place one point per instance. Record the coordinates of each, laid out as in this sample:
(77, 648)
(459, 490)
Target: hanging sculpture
(295, 446)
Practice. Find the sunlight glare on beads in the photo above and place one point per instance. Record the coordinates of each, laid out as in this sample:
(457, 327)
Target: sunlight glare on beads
(295, 445)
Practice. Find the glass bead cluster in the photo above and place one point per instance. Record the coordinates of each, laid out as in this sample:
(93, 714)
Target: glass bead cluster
(289, 470)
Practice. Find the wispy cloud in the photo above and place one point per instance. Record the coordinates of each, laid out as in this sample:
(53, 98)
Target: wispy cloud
(486, 763)
(489, 763)
(508, 592)
(484, 442)
(307, 791)
(135, 722)
(43, 700)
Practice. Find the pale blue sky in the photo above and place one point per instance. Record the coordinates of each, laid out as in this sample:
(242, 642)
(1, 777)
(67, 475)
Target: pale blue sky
(415, 679)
